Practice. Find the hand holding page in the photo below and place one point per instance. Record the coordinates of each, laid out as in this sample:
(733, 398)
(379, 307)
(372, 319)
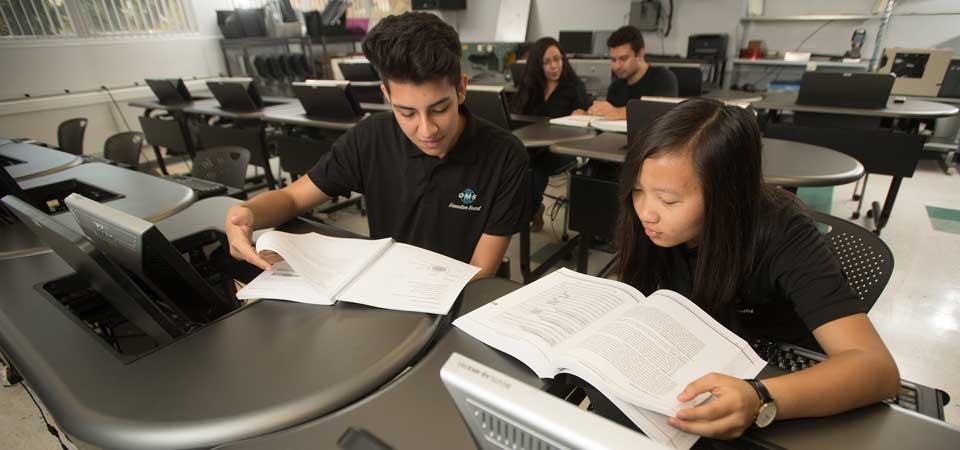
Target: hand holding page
(322, 270)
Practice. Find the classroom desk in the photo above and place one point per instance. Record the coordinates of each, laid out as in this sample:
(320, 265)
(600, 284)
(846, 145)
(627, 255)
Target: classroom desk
(785, 163)
(36, 162)
(375, 107)
(909, 109)
(416, 412)
(265, 367)
(5, 141)
(542, 134)
(728, 95)
(145, 196)
(296, 115)
(211, 108)
(905, 115)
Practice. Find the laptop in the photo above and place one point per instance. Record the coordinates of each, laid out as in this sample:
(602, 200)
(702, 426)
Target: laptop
(358, 71)
(170, 91)
(641, 113)
(845, 90)
(328, 100)
(237, 94)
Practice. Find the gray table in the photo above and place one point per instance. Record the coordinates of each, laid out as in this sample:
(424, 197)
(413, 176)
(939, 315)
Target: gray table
(296, 115)
(909, 109)
(37, 161)
(785, 163)
(420, 394)
(211, 108)
(5, 141)
(543, 134)
(269, 366)
(145, 196)
(729, 95)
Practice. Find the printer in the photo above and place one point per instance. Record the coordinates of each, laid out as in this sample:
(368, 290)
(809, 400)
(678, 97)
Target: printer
(918, 71)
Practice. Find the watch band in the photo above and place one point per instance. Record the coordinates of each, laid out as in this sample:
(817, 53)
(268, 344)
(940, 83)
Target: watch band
(762, 391)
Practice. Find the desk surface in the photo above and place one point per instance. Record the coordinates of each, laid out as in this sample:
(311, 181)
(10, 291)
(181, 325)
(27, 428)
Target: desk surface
(296, 115)
(438, 424)
(543, 134)
(389, 413)
(728, 95)
(785, 163)
(211, 107)
(263, 368)
(915, 109)
(145, 196)
(37, 161)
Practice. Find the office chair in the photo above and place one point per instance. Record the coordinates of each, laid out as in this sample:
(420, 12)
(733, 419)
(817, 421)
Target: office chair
(226, 165)
(70, 135)
(124, 148)
(865, 259)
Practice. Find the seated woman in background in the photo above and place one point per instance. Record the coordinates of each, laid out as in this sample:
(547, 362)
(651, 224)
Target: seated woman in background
(550, 88)
(696, 218)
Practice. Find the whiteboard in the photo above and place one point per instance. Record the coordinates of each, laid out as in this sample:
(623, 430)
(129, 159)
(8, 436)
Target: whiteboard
(512, 21)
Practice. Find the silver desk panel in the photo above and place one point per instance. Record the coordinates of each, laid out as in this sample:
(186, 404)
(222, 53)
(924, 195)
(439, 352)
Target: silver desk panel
(37, 161)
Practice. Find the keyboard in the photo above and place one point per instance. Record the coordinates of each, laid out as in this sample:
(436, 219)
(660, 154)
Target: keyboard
(203, 188)
(915, 397)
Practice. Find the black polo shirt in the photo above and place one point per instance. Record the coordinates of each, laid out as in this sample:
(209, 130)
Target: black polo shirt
(796, 285)
(568, 96)
(657, 82)
(443, 205)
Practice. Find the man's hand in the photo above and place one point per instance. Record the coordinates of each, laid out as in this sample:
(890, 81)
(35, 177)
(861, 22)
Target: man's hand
(601, 108)
(239, 228)
(726, 416)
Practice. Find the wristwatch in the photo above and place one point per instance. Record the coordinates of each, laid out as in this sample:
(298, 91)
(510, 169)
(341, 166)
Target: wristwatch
(768, 406)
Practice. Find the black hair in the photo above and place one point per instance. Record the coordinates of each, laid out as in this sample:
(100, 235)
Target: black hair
(414, 47)
(533, 82)
(725, 145)
(627, 34)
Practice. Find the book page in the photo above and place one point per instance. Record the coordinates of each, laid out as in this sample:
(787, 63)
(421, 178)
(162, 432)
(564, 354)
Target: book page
(575, 121)
(655, 426)
(282, 283)
(409, 278)
(325, 262)
(532, 321)
(616, 126)
(648, 354)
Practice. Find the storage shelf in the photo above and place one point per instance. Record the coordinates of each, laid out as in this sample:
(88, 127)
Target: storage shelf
(780, 62)
(811, 17)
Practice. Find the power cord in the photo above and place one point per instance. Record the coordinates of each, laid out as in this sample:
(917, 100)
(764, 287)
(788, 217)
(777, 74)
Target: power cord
(50, 428)
(116, 105)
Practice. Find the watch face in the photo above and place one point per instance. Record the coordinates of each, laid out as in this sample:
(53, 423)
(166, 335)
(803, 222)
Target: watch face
(768, 411)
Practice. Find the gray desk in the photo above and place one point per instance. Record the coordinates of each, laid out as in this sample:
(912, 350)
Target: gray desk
(909, 109)
(211, 108)
(437, 425)
(296, 115)
(5, 141)
(37, 161)
(731, 95)
(375, 107)
(266, 367)
(785, 163)
(148, 197)
(543, 134)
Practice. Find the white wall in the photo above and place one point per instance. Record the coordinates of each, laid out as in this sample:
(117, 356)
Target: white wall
(42, 68)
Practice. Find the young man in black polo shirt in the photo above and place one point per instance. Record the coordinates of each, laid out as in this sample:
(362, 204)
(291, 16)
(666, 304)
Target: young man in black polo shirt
(634, 76)
(433, 175)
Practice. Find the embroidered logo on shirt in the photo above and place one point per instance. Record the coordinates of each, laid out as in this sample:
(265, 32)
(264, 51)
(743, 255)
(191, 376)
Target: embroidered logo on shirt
(467, 198)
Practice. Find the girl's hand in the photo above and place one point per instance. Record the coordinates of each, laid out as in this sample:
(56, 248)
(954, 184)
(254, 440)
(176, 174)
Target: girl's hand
(726, 416)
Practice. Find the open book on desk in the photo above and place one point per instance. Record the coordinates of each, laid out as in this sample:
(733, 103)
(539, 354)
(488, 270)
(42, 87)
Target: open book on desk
(382, 273)
(640, 352)
(586, 121)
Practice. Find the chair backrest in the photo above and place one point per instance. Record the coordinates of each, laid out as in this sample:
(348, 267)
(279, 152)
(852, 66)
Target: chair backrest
(70, 135)
(865, 259)
(689, 81)
(225, 165)
(124, 148)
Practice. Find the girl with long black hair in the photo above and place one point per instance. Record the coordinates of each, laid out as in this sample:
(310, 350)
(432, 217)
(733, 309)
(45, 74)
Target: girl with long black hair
(696, 218)
(549, 88)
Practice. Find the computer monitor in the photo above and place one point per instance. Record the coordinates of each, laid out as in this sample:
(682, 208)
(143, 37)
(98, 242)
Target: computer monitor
(489, 103)
(103, 274)
(170, 91)
(237, 94)
(358, 71)
(845, 90)
(139, 247)
(502, 412)
(328, 100)
(642, 112)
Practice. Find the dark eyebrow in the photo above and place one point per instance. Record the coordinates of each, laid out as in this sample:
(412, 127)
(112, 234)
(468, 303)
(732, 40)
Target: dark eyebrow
(436, 103)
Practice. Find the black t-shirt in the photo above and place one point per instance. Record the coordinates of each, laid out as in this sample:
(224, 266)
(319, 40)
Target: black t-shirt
(443, 205)
(797, 285)
(657, 82)
(565, 99)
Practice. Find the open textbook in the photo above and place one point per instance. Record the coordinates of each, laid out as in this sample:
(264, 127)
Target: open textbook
(382, 273)
(640, 352)
(586, 121)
